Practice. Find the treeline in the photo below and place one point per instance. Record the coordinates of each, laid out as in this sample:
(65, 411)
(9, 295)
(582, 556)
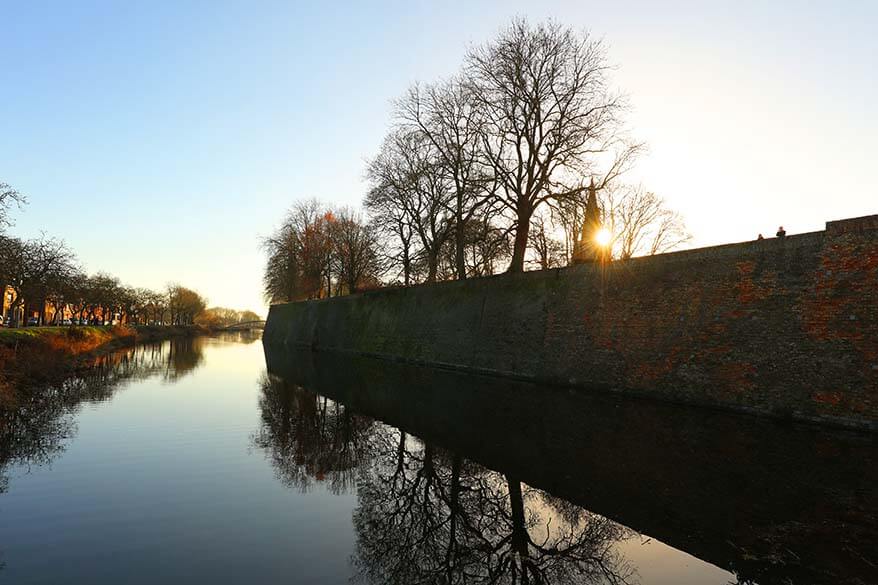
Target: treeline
(218, 317)
(321, 252)
(44, 284)
(486, 170)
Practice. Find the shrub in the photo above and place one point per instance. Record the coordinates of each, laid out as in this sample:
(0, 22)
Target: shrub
(76, 334)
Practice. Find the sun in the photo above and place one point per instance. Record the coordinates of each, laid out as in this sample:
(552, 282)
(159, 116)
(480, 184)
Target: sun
(603, 237)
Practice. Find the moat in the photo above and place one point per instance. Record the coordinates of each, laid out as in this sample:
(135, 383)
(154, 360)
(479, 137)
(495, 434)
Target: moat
(212, 460)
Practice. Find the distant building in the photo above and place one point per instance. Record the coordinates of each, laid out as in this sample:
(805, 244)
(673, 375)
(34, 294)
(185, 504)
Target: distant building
(588, 248)
(26, 311)
(15, 315)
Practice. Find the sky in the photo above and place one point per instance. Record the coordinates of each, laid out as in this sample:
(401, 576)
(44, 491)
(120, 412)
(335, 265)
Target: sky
(162, 140)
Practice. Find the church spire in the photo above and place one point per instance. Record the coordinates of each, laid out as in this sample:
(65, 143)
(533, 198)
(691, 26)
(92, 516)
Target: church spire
(587, 248)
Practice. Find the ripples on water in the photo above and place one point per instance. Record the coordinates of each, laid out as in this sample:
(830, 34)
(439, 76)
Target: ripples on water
(187, 461)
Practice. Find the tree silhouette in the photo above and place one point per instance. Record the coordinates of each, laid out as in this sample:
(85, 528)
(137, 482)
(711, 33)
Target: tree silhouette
(37, 423)
(308, 437)
(426, 515)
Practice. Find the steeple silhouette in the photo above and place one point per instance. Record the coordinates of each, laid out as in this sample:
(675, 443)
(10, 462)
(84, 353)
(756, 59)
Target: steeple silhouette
(587, 248)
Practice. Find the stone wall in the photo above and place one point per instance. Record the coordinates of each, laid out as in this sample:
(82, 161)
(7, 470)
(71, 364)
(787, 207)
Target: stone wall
(782, 326)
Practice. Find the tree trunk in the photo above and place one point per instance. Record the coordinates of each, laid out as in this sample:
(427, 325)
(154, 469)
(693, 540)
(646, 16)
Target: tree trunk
(400, 453)
(459, 249)
(16, 311)
(520, 537)
(451, 551)
(520, 246)
(516, 503)
(406, 266)
(432, 265)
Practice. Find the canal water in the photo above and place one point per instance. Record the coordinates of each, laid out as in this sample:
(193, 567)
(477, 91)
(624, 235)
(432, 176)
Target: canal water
(212, 460)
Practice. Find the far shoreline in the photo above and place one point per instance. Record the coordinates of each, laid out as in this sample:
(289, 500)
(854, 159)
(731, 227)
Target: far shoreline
(32, 356)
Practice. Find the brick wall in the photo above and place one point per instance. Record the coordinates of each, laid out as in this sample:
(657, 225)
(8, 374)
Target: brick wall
(782, 326)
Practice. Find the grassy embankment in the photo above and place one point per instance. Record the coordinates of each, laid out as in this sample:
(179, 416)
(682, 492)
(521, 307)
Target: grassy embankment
(35, 355)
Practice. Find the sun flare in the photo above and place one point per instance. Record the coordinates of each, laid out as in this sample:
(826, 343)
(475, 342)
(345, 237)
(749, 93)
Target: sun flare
(603, 237)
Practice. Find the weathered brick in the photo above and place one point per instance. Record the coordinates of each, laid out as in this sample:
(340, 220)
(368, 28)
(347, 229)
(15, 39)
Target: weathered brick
(778, 326)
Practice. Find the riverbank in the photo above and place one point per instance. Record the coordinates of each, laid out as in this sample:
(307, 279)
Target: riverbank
(37, 355)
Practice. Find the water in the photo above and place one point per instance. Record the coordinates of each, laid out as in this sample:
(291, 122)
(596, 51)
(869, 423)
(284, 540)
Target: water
(197, 461)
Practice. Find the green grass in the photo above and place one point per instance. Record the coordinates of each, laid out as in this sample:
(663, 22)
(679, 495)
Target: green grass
(13, 336)
(10, 337)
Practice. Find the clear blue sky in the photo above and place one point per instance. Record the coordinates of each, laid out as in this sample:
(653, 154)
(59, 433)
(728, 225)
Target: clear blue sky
(162, 139)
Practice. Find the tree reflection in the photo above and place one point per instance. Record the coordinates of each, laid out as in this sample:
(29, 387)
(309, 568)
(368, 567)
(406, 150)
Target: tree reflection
(184, 355)
(309, 437)
(426, 514)
(36, 425)
(245, 337)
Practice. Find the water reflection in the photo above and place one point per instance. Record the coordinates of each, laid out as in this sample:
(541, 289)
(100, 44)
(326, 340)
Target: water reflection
(466, 499)
(309, 437)
(37, 425)
(427, 515)
(444, 477)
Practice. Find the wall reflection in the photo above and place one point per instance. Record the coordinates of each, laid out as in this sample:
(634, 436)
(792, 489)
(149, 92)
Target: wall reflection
(467, 498)
(426, 514)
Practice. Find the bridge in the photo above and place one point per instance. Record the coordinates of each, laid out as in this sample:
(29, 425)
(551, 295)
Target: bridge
(244, 326)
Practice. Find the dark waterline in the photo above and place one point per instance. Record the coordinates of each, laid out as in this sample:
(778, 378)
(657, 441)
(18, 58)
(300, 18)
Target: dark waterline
(187, 462)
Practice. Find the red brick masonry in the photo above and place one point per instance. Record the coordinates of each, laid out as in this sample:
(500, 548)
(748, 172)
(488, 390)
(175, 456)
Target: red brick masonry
(781, 326)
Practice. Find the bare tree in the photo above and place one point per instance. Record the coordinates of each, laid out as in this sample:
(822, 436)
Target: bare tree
(311, 220)
(8, 196)
(392, 223)
(300, 254)
(568, 215)
(282, 277)
(13, 270)
(487, 245)
(184, 304)
(549, 252)
(408, 174)
(641, 223)
(447, 116)
(354, 251)
(549, 117)
(35, 268)
(157, 305)
(44, 278)
(103, 292)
